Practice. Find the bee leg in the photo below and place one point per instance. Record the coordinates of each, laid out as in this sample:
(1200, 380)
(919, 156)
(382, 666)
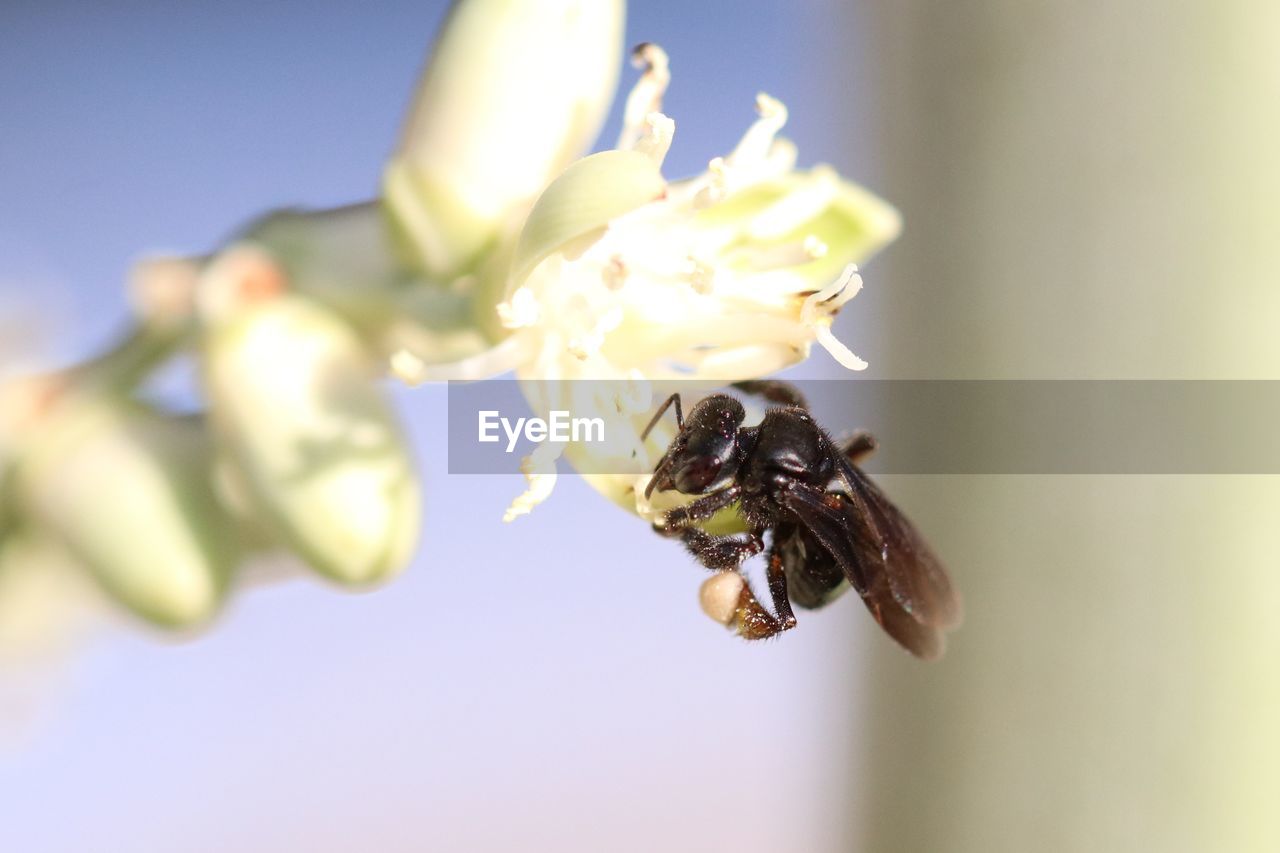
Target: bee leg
(676, 520)
(859, 446)
(753, 621)
(778, 591)
(774, 391)
(719, 553)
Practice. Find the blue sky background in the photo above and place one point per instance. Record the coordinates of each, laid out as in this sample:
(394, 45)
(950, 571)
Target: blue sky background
(549, 684)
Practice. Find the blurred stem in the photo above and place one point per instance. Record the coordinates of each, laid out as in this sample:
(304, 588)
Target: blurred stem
(116, 372)
(346, 259)
(1090, 190)
(340, 258)
(124, 366)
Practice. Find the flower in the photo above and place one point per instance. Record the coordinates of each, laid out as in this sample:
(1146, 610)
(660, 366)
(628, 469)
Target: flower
(496, 246)
(618, 274)
(728, 275)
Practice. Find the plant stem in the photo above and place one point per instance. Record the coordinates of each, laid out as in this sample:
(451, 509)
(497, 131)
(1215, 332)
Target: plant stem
(1089, 190)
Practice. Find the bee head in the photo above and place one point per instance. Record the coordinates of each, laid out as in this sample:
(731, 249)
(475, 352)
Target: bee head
(703, 456)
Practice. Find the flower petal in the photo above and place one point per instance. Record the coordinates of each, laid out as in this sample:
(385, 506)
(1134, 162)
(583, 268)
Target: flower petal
(849, 222)
(581, 202)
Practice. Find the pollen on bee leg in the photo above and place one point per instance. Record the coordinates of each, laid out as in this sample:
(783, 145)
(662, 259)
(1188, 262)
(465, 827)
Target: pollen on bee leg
(645, 97)
(720, 596)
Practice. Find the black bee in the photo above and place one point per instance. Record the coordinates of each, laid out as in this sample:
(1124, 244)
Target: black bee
(827, 522)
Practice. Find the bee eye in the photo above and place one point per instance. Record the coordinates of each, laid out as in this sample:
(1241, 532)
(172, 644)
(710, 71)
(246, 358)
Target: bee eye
(699, 473)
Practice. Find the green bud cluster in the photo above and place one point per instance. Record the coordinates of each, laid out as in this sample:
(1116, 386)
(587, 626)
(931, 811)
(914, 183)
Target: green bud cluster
(297, 451)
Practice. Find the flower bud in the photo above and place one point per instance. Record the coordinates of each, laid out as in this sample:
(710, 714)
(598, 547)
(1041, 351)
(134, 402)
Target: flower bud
(46, 600)
(298, 412)
(127, 491)
(515, 90)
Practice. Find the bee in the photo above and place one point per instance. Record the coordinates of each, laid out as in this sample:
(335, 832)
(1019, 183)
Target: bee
(828, 526)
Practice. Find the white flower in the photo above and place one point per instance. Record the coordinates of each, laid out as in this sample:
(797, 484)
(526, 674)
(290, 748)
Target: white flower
(733, 274)
(724, 276)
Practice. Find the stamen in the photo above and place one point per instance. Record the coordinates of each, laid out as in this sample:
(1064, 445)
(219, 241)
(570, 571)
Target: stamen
(539, 469)
(632, 395)
(646, 95)
(756, 142)
(814, 248)
(615, 273)
(838, 351)
(716, 187)
(832, 297)
(589, 344)
(521, 311)
(655, 139)
(845, 288)
(702, 276)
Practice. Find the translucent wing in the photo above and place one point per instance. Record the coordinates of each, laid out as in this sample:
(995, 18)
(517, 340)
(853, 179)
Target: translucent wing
(872, 545)
(916, 576)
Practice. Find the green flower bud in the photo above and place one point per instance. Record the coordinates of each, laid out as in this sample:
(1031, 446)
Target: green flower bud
(46, 600)
(127, 491)
(514, 92)
(298, 412)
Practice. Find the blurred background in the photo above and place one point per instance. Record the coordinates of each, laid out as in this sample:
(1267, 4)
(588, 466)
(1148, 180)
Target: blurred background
(1089, 191)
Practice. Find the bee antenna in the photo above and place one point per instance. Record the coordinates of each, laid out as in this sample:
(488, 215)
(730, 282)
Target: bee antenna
(662, 410)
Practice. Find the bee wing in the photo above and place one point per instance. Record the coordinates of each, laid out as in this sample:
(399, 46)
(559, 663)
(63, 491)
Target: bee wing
(851, 539)
(916, 576)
